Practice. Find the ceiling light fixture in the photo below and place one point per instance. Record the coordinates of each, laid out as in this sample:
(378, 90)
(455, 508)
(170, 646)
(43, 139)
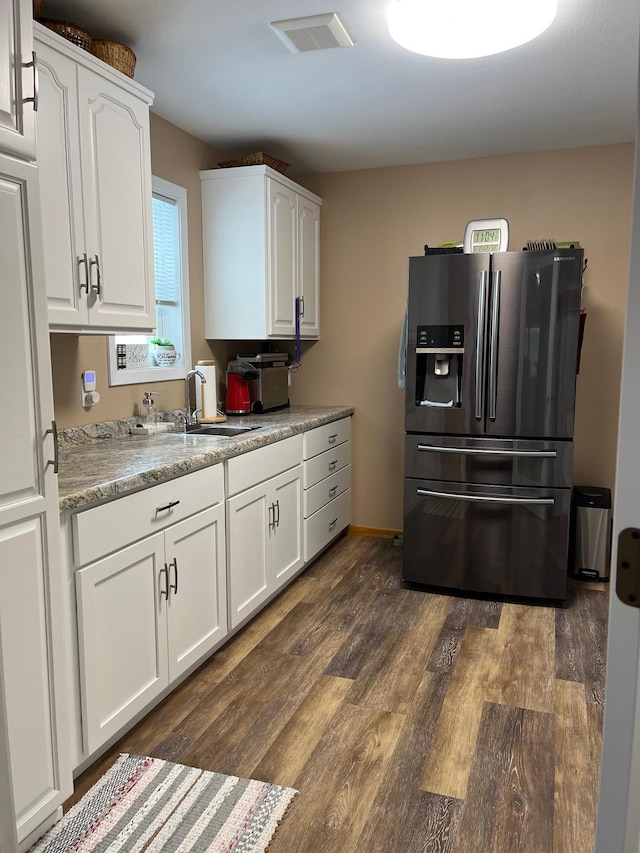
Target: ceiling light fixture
(465, 29)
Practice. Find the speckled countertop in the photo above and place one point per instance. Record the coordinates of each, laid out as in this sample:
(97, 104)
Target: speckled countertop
(102, 462)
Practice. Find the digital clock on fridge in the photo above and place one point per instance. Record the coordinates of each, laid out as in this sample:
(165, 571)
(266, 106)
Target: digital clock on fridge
(486, 235)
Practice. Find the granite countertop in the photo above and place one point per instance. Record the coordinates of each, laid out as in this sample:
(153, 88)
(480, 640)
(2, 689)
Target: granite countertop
(102, 462)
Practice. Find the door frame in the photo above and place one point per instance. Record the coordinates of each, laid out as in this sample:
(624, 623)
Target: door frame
(618, 823)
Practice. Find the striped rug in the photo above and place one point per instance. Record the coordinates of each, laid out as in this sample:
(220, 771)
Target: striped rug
(146, 804)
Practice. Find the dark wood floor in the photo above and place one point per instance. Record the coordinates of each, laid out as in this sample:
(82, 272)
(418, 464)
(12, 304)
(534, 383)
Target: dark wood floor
(408, 721)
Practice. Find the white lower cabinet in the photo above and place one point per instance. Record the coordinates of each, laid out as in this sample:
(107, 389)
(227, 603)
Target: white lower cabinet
(161, 576)
(264, 528)
(327, 484)
(39, 786)
(146, 614)
(264, 524)
(124, 661)
(197, 602)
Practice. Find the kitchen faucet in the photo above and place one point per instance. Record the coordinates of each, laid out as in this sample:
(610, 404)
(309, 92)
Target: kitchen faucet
(190, 414)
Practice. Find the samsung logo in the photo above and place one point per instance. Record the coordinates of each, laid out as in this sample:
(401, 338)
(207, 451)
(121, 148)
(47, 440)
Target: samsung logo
(563, 259)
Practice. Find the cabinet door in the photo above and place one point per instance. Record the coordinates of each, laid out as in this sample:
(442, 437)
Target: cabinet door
(309, 266)
(197, 607)
(122, 637)
(286, 534)
(282, 259)
(38, 788)
(8, 836)
(248, 546)
(30, 580)
(116, 184)
(60, 189)
(17, 80)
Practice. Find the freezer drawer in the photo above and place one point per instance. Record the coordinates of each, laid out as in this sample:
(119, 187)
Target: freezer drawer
(497, 540)
(492, 461)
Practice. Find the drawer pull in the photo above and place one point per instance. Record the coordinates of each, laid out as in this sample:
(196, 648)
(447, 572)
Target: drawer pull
(170, 505)
(499, 499)
(333, 523)
(277, 514)
(164, 593)
(36, 81)
(332, 491)
(174, 586)
(332, 438)
(97, 287)
(333, 464)
(481, 451)
(272, 516)
(56, 453)
(84, 285)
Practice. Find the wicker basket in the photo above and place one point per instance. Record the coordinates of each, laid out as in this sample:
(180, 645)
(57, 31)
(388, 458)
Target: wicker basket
(257, 159)
(72, 32)
(115, 54)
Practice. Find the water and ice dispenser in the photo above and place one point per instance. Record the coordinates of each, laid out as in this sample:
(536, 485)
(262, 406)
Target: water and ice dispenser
(439, 366)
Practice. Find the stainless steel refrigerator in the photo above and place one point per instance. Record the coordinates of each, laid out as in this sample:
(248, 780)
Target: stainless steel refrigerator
(492, 346)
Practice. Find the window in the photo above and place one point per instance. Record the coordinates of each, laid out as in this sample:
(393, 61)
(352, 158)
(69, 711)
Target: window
(143, 358)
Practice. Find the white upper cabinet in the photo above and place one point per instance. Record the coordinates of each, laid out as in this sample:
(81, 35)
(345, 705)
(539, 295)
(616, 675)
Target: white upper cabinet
(95, 178)
(309, 266)
(261, 236)
(18, 80)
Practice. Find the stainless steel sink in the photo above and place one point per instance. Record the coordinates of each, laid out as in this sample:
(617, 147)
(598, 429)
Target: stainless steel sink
(228, 430)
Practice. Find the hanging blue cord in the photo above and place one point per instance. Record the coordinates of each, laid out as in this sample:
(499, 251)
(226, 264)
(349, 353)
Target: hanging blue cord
(298, 307)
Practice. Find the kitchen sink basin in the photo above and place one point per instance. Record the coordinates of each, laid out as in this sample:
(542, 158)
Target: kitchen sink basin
(228, 430)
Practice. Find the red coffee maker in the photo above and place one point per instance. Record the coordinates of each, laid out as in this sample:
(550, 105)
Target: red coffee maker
(238, 375)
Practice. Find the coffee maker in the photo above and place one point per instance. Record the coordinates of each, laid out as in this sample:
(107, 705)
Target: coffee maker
(239, 373)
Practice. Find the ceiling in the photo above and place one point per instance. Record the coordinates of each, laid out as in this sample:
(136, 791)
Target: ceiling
(221, 73)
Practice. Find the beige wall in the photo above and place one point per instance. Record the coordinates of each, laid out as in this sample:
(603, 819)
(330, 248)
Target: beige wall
(373, 220)
(178, 157)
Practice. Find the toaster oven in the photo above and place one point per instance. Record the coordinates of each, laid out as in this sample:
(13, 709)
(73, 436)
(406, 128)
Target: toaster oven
(270, 391)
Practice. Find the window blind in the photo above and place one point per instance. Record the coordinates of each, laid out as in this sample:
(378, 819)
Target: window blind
(166, 251)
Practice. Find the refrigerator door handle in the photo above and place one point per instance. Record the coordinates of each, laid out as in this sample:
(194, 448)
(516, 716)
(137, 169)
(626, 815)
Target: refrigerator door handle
(484, 498)
(493, 344)
(477, 451)
(479, 378)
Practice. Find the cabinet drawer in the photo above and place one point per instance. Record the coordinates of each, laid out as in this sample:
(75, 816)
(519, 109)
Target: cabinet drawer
(326, 437)
(323, 525)
(255, 467)
(99, 531)
(326, 463)
(326, 490)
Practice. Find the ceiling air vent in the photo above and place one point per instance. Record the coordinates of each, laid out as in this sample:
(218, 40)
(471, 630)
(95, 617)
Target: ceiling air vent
(315, 32)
